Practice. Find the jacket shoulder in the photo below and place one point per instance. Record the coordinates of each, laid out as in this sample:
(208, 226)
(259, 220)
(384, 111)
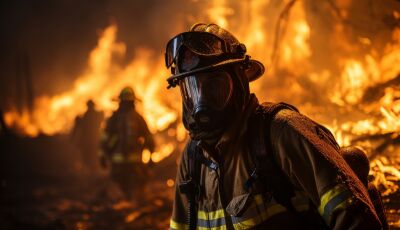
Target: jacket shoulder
(281, 114)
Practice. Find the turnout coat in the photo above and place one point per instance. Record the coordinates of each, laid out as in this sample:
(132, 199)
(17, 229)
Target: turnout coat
(327, 193)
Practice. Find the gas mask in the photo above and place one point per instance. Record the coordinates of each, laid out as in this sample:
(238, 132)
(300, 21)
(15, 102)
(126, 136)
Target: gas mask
(203, 63)
(206, 101)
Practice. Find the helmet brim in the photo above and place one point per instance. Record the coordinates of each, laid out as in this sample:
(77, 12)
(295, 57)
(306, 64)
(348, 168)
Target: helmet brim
(127, 99)
(254, 70)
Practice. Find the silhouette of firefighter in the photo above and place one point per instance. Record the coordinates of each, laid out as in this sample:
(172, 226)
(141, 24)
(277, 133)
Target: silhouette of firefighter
(257, 166)
(86, 136)
(124, 138)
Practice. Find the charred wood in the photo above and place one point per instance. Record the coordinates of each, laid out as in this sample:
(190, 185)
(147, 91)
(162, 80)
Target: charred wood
(375, 92)
(388, 140)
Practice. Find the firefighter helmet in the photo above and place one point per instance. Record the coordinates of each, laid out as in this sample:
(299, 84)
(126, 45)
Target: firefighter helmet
(211, 42)
(127, 94)
(90, 103)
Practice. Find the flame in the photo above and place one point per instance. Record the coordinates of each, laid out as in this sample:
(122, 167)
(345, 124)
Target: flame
(218, 13)
(162, 153)
(282, 35)
(102, 81)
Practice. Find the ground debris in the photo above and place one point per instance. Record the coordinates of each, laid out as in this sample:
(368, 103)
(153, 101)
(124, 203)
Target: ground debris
(66, 209)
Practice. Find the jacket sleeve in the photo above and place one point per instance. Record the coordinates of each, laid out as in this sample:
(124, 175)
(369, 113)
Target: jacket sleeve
(180, 205)
(148, 137)
(311, 161)
(108, 137)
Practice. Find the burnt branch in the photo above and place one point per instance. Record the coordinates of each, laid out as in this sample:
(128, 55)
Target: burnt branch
(374, 137)
(391, 139)
(377, 91)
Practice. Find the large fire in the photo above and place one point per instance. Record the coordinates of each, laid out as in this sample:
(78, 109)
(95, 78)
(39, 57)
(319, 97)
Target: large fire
(354, 90)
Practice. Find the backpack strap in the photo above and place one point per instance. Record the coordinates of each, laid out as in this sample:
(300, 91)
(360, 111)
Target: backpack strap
(191, 187)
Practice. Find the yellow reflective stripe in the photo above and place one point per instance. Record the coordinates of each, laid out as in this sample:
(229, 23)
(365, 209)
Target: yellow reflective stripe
(252, 222)
(337, 197)
(223, 227)
(177, 226)
(257, 213)
(134, 158)
(203, 215)
(117, 158)
(329, 195)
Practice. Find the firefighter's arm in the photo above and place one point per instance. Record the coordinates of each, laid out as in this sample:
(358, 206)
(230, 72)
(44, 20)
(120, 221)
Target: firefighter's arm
(180, 206)
(104, 150)
(148, 137)
(312, 162)
(108, 140)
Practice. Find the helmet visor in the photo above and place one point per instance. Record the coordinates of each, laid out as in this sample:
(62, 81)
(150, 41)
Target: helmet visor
(201, 43)
(212, 90)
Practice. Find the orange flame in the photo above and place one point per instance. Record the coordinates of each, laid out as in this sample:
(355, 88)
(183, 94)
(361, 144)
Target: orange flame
(335, 90)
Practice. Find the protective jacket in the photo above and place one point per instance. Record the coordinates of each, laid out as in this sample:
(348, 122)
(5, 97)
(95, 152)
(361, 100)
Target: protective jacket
(327, 193)
(125, 137)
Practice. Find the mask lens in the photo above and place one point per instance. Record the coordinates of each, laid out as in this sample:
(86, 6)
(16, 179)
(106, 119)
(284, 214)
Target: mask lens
(172, 50)
(212, 90)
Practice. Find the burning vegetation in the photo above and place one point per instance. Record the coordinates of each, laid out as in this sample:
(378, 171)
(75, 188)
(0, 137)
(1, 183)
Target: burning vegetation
(338, 61)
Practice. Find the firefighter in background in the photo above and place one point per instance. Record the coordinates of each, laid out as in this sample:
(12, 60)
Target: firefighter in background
(249, 165)
(86, 136)
(124, 138)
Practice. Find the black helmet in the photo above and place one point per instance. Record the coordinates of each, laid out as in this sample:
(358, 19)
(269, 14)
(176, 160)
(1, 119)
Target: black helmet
(90, 103)
(127, 94)
(208, 41)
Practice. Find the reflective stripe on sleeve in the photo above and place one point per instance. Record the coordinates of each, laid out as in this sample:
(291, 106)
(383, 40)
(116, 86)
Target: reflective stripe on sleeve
(120, 158)
(134, 158)
(117, 158)
(334, 199)
(177, 226)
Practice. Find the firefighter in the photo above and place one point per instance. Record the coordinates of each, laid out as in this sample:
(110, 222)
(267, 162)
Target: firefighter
(124, 138)
(250, 165)
(86, 135)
